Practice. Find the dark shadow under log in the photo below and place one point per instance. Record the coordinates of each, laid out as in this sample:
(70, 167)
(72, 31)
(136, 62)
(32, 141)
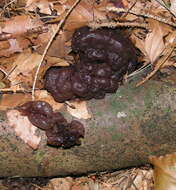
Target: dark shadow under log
(125, 130)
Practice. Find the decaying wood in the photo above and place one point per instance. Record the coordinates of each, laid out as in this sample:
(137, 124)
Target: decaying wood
(126, 128)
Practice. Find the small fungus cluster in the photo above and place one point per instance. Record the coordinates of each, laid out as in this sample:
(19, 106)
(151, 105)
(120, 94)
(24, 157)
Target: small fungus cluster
(59, 132)
(105, 56)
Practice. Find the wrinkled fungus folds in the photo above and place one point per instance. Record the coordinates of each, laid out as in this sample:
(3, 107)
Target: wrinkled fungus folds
(105, 56)
(59, 132)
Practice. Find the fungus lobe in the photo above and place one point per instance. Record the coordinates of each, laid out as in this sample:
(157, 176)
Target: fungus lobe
(59, 132)
(105, 56)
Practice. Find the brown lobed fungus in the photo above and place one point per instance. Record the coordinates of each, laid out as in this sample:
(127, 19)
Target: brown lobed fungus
(59, 132)
(105, 56)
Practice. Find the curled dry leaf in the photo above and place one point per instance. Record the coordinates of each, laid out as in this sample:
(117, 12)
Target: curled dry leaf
(154, 43)
(23, 128)
(79, 110)
(164, 171)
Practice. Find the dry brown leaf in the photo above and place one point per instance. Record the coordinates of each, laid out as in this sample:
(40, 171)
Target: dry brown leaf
(85, 12)
(154, 44)
(20, 24)
(10, 101)
(173, 7)
(59, 184)
(4, 45)
(80, 110)
(44, 6)
(164, 171)
(24, 65)
(58, 48)
(14, 47)
(23, 128)
(56, 61)
(81, 187)
(162, 62)
(139, 43)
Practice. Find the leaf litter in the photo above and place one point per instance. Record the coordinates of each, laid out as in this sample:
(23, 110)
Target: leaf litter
(26, 29)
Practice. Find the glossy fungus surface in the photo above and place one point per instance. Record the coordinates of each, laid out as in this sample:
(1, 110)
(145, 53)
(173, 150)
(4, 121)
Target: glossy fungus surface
(105, 56)
(59, 132)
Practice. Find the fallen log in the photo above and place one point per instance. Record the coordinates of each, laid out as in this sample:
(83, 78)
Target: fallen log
(126, 128)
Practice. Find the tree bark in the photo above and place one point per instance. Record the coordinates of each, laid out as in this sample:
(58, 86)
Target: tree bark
(126, 128)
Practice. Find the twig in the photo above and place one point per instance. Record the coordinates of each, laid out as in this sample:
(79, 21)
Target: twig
(147, 15)
(113, 24)
(163, 5)
(67, 103)
(3, 71)
(140, 70)
(130, 8)
(11, 91)
(13, 1)
(10, 72)
(49, 43)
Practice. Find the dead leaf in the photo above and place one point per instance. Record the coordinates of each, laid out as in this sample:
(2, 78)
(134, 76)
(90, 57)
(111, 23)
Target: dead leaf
(154, 44)
(162, 62)
(164, 171)
(173, 6)
(10, 101)
(81, 187)
(20, 24)
(139, 43)
(44, 6)
(59, 184)
(80, 110)
(23, 128)
(24, 65)
(14, 46)
(84, 12)
(58, 48)
(56, 61)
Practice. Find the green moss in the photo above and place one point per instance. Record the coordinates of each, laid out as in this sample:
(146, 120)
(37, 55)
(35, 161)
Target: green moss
(99, 114)
(110, 129)
(116, 136)
(39, 155)
(149, 98)
(117, 105)
(14, 147)
(166, 110)
(137, 112)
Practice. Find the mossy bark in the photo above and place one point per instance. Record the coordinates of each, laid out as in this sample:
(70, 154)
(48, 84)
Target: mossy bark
(125, 130)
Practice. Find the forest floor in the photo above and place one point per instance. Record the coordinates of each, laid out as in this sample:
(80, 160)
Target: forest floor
(129, 179)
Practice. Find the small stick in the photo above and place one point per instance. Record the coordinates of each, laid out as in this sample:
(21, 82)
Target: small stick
(113, 24)
(163, 5)
(147, 15)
